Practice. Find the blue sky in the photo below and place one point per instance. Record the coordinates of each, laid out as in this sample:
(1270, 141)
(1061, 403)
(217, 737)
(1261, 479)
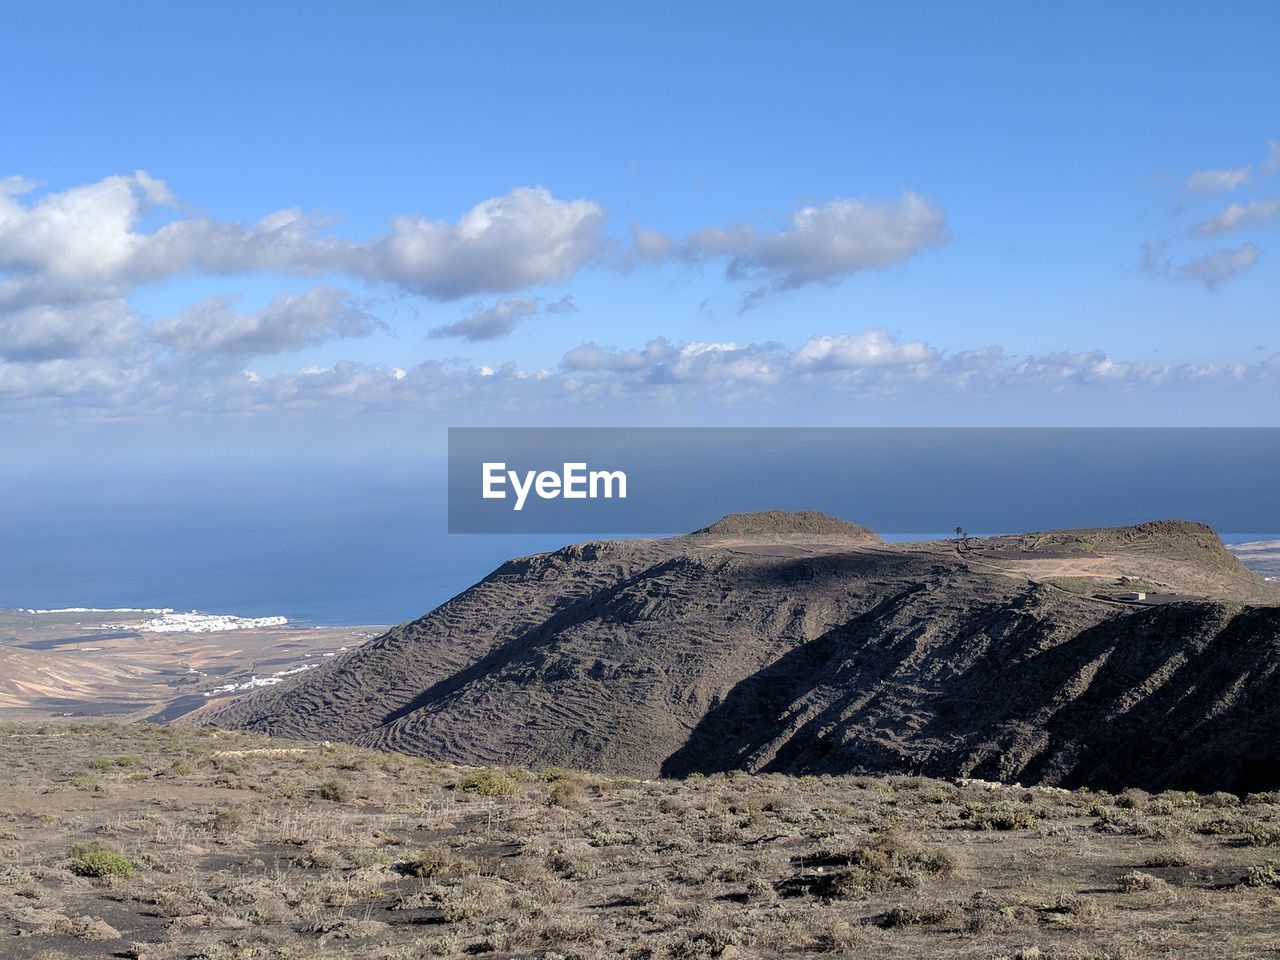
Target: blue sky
(928, 213)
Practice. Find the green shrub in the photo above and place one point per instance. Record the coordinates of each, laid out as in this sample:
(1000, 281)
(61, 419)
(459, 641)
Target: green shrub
(555, 774)
(97, 862)
(127, 761)
(488, 783)
(888, 862)
(100, 763)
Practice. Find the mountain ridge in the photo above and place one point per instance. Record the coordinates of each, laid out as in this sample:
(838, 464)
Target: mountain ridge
(798, 644)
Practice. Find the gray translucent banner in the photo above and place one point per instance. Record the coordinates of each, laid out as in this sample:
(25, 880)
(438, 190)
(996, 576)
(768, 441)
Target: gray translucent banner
(892, 480)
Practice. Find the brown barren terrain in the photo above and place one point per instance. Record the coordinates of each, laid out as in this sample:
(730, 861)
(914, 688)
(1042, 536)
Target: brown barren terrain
(218, 845)
(803, 644)
(97, 664)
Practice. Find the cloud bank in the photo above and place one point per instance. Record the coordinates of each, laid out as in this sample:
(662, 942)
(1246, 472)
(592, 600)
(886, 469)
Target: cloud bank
(73, 347)
(826, 373)
(71, 259)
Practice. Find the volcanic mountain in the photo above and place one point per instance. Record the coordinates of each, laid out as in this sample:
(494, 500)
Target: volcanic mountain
(1134, 656)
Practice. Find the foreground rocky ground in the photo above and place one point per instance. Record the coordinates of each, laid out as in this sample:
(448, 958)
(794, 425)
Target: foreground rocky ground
(148, 841)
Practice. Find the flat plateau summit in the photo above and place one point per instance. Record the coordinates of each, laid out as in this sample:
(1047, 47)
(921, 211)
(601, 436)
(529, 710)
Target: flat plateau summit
(800, 643)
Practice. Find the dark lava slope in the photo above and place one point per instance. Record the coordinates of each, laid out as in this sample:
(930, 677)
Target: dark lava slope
(803, 644)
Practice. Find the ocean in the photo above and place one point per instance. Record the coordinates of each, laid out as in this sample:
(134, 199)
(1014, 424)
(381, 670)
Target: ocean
(359, 545)
(334, 548)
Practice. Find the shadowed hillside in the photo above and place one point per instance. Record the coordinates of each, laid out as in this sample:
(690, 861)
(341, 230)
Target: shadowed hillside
(803, 644)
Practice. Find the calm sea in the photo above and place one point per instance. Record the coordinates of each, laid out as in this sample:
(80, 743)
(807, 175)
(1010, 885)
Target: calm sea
(326, 547)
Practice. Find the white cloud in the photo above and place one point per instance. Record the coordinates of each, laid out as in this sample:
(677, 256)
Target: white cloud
(501, 245)
(1220, 265)
(71, 259)
(651, 244)
(874, 362)
(286, 241)
(89, 242)
(871, 348)
(68, 339)
(81, 238)
(38, 333)
(490, 323)
(1238, 215)
(661, 362)
(739, 380)
(83, 388)
(289, 322)
(1212, 181)
(564, 305)
(722, 363)
(591, 358)
(826, 243)
(85, 243)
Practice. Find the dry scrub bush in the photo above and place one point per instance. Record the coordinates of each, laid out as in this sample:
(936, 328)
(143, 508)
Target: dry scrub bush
(431, 861)
(98, 862)
(1262, 875)
(1135, 881)
(488, 783)
(335, 790)
(887, 862)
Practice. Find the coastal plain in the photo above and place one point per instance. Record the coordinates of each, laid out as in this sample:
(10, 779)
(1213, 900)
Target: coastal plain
(149, 664)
